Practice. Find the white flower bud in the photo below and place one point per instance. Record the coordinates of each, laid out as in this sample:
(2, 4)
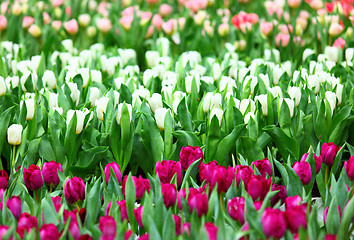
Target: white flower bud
(339, 92)
(119, 112)
(248, 116)
(80, 116)
(216, 71)
(226, 82)
(155, 101)
(14, 134)
(245, 103)
(94, 95)
(276, 91)
(96, 76)
(290, 104)
(151, 58)
(331, 53)
(30, 108)
(277, 73)
(160, 115)
(313, 81)
(58, 109)
(218, 113)
(75, 93)
(53, 99)
(148, 75)
(331, 98)
(101, 107)
(126, 55)
(49, 79)
(349, 53)
(2, 86)
(263, 100)
(85, 74)
(295, 93)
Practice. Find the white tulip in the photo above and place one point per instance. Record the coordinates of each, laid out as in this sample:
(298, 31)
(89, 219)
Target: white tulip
(119, 112)
(295, 93)
(12, 82)
(70, 74)
(14, 67)
(218, 113)
(80, 118)
(58, 109)
(160, 115)
(276, 91)
(286, 66)
(109, 65)
(85, 57)
(25, 76)
(119, 81)
(116, 97)
(189, 79)
(148, 75)
(101, 107)
(75, 93)
(265, 79)
(216, 71)
(211, 100)
(313, 81)
(167, 93)
(140, 92)
(155, 101)
(68, 45)
(226, 82)
(24, 66)
(207, 79)
(94, 95)
(254, 81)
(331, 53)
(296, 74)
(308, 52)
(170, 79)
(277, 73)
(241, 73)
(85, 74)
(151, 58)
(14, 134)
(290, 104)
(126, 55)
(349, 53)
(248, 116)
(53, 99)
(2, 86)
(331, 98)
(163, 45)
(30, 108)
(96, 76)
(263, 101)
(49, 79)
(339, 92)
(7, 45)
(245, 103)
(35, 60)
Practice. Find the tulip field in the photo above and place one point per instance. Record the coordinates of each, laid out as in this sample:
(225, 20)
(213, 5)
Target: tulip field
(177, 119)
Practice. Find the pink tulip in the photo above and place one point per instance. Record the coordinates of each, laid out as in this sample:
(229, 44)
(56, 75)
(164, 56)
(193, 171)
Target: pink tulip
(296, 218)
(157, 21)
(167, 27)
(3, 23)
(108, 227)
(266, 28)
(122, 207)
(190, 154)
(165, 10)
(104, 25)
(126, 22)
(4, 178)
(74, 190)
(274, 223)
(3, 232)
(57, 3)
(142, 185)
(56, 25)
(178, 221)
(236, 209)
(349, 168)
(282, 39)
(243, 172)
(303, 170)
(27, 21)
(33, 177)
(116, 170)
(294, 3)
(198, 201)
(339, 42)
(25, 223)
(14, 204)
(72, 27)
(328, 153)
(49, 232)
(166, 169)
(169, 194)
(211, 230)
(280, 196)
(292, 201)
(46, 18)
(138, 214)
(57, 203)
(258, 187)
(50, 174)
(263, 167)
(318, 161)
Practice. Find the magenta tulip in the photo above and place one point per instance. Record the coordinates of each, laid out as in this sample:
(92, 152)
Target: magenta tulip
(236, 209)
(57, 203)
(108, 227)
(243, 172)
(33, 177)
(50, 174)
(178, 223)
(122, 207)
(14, 204)
(198, 201)
(280, 196)
(274, 223)
(318, 161)
(25, 223)
(296, 218)
(142, 185)
(263, 167)
(303, 170)
(74, 190)
(258, 187)
(4, 179)
(49, 232)
(292, 201)
(222, 177)
(169, 194)
(166, 169)
(349, 168)
(190, 154)
(206, 170)
(116, 170)
(328, 153)
(211, 230)
(138, 214)
(3, 232)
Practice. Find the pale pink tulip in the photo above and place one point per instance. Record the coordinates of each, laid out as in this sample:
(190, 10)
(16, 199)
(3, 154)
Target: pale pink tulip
(104, 25)
(72, 27)
(3, 22)
(27, 21)
(165, 10)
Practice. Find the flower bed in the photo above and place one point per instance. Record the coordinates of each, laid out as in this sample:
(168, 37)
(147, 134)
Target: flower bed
(195, 119)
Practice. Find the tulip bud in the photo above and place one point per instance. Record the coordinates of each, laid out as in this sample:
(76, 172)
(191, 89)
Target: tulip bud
(169, 194)
(160, 115)
(295, 93)
(303, 170)
(331, 53)
(332, 99)
(258, 187)
(34, 30)
(71, 26)
(330, 237)
(80, 118)
(33, 177)
(218, 113)
(30, 109)
(166, 169)
(116, 170)
(122, 207)
(273, 222)
(74, 190)
(14, 204)
(263, 167)
(119, 112)
(142, 185)
(292, 201)
(212, 100)
(91, 31)
(84, 20)
(294, 3)
(49, 79)
(96, 76)
(349, 168)
(328, 153)
(3, 230)
(236, 209)
(211, 230)
(318, 161)
(101, 107)
(155, 102)
(2, 86)
(49, 232)
(198, 201)
(280, 196)
(190, 154)
(290, 103)
(245, 173)
(263, 100)
(108, 227)
(26, 223)
(50, 174)
(296, 218)
(57, 203)
(138, 214)
(94, 95)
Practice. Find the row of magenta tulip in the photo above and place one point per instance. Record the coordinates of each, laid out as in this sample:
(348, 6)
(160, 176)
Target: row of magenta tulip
(253, 194)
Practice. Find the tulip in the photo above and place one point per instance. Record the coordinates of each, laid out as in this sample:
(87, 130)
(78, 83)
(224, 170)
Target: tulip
(14, 133)
(74, 190)
(94, 95)
(75, 92)
(96, 76)
(294, 3)
(290, 103)
(34, 30)
(27, 21)
(145, 236)
(57, 203)
(25, 223)
(4, 178)
(169, 194)
(33, 177)
(335, 29)
(330, 237)
(101, 107)
(151, 58)
(160, 115)
(328, 153)
(108, 227)
(49, 79)
(126, 22)
(14, 204)
(190, 154)
(292, 201)
(211, 100)
(138, 214)
(207, 169)
(198, 201)
(3, 231)
(280, 196)
(331, 53)
(303, 170)
(84, 20)
(166, 169)
(296, 218)
(221, 176)
(119, 112)
(49, 232)
(142, 185)
(3, 23)
(178, 226)
(318, 161)
(128, 234)
(236, 209)
(295, 93)
(211, 230)
(263, 100)
(266, 28)
(116, 169)
(2, 86)
(273, 222)
(104, 25)
(218, 113)
(80, 118)
(155, 102)
(263, 167)
(122, 207)
(243, 172)
(349, 168)
(282, 39)
(258, 187)
(72, 27)
(50, 174)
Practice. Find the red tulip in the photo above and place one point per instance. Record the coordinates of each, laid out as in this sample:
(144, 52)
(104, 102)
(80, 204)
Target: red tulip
(318, 161)
(190, 154)
(33, 177)
(50, 174)
(167, 169)
(169, 194)
(108, 227)
(74, 190)
(182, 194)
(138, 214)
(349, 168)
(236, 209)
(274, 223)
(263, 167)
(116, 170)
(49, 232)
(57, 203)
(243, 172)
(177, 219)
(292, 201)
(296, 218)
(223, 177)
(198, 201)
(206, 170)
(303, 170)
(258, 187)
(328, 153)
(14, 204)
(4, 178)
(25, 223)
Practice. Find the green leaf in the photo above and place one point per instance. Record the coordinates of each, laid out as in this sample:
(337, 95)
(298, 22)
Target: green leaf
(212, 139)
(346, 220)
(184, 116)
(168, 137)
(93, 204)
(250, 150)
(295, 185)
(5, 118)
(130, 201)
(283, 172)
(187, 138)
(333, 219)
(191, 171)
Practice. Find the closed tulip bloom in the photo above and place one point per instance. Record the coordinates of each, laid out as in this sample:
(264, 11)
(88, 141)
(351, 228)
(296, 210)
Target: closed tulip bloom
(280, 196)
(138, 214)
(2, 86)
(155, 102)
(74, 190)
(206, 170)
(101, 107)
(49, 232)
(122, 207)
(263, 100)
(169, 194)
(84, 19)
(160, 115)
(49, 79)
(303, 170)
(166, 169)
(33, 177)
(236, 209)
(50, 174)
(178, 223)
(72, 27)
(263, 167)
(119, 112)
(243, 172)
(198, 201)
(57, 203)
(292, 201)
(34, 30)
(14, 204)
(3, 23)
(274, 223)
(258, 187)
(349, 168)
(3, 231)
(330, 237)
(141, 184)
(25, 223)
(295, 93)
(190, 154)
(108, 227)
(318, 161)
(328, 153)
(14, 134)
(104, 25)
(222, 177)
(211, 230)
(182, 194)
(116, 169)
(296, 218)
(4, 179)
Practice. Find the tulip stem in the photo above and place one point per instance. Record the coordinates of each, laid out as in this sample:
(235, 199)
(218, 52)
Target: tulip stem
(326, 175)
(13, 157)
(77, 207)
(221, 202)
(51, 189)
(36, 196)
